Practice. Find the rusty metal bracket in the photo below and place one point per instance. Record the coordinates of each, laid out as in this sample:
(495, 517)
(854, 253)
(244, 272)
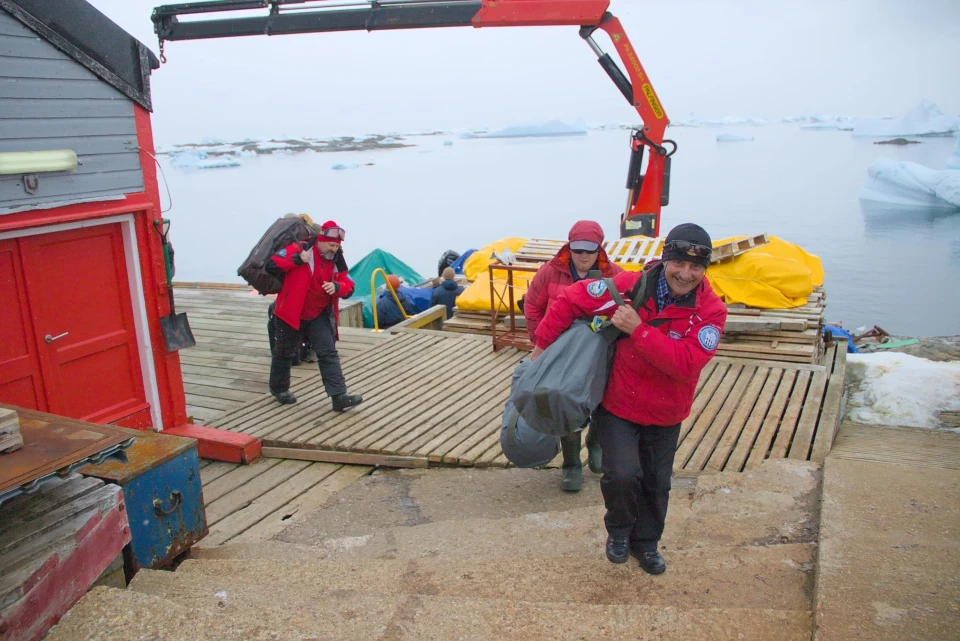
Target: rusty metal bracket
(176, 497)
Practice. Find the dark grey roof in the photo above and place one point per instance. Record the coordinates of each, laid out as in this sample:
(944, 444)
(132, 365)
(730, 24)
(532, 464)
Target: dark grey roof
(79, 30)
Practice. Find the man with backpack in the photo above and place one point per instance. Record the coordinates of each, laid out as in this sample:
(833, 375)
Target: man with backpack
(650, 389)
(314, 278)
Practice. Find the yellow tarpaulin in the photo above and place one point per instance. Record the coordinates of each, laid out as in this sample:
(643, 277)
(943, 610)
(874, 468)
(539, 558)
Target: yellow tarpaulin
(482, 258)
(476, 297)
(773, 276)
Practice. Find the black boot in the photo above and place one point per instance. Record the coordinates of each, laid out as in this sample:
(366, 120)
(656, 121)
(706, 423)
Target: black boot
(345, 401)
(285, 398)
(594, 454)
(572, 480)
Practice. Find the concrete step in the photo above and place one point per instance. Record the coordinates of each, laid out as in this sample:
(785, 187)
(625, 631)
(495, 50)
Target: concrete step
(777, 500)
(775, 505)
(298, 611)
(765, 577)
(109, 614)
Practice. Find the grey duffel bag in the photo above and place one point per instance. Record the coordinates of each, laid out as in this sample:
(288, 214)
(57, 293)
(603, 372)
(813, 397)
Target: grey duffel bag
(521, 445)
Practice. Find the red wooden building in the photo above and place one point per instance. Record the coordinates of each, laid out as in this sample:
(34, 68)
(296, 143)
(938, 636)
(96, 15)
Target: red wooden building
(82, 274)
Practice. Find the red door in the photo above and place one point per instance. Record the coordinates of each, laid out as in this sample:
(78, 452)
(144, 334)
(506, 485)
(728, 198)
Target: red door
(78, 292)
(21, 382)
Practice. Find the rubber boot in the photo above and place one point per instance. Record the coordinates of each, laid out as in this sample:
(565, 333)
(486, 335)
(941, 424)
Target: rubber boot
(572, 480)
(594, 454)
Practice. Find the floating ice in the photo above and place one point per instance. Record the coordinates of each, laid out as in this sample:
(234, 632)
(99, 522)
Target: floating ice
(188, 161)
(272, 144)
(925, 119)
(899, 389)
(447, 143)
(552, 128)
(340, 166)
(389, 140)
(733, 138)
(907, 184)
(832, 126)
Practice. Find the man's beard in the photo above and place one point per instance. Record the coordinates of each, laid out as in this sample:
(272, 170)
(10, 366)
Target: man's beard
(329, 255)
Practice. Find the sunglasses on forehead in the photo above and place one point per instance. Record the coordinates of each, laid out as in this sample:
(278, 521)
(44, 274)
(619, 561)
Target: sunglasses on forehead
(688, 248)
(584, 251)
(334, 232)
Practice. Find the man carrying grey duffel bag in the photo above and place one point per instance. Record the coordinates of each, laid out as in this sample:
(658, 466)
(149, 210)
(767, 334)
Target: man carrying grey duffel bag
(523, 446)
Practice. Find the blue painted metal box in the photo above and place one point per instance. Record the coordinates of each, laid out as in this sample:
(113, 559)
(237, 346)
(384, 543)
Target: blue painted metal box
(164, 498)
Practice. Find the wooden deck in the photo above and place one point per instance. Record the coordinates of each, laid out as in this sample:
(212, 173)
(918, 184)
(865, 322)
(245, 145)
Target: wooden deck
(437, 398)
(230, 364)
(247, 503)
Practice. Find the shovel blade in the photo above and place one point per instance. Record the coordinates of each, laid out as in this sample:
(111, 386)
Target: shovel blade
(176, 332)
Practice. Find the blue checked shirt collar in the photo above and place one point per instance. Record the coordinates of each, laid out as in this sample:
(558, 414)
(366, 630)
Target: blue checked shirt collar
(663, 291)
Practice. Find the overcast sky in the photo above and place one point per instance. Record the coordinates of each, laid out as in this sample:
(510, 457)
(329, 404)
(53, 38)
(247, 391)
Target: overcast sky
(720, 58)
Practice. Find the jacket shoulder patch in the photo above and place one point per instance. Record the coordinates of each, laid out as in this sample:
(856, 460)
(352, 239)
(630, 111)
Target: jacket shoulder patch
(282, 253)
(597, 288)
(709, 337)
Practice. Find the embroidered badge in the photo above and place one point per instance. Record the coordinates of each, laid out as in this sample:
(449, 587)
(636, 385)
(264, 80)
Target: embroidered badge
(597, 288)
(709, 337)
(674, 335)
(282, 253)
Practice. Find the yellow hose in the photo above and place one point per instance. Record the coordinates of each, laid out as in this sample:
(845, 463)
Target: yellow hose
(373, 296)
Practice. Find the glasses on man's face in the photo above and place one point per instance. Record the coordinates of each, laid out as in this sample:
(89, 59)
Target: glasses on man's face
(688, 248)
(334, 232)
(581, 252)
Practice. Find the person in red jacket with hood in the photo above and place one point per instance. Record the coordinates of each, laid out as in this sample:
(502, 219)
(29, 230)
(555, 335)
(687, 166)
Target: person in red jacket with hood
(314, 281)
(652, 382)
(582, 254)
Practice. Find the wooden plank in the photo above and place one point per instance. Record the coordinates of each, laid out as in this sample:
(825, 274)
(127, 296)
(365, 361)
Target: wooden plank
(348, 458)
(467, 416)
(210, 402)
(692, 438)
(300, 507)
(262, 506)
(703, 395)
(788, 424)
(720, 423)
(745, 408)
(234, 384)
(466, 452)
(830, 416)
(214, 470)
(236, 476)
(247, 493)
(749, 434)
(808, 367)
(802, 442)
(772, 420)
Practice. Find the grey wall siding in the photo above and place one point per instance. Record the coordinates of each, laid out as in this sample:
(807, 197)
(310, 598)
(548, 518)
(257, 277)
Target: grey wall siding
(49, 101)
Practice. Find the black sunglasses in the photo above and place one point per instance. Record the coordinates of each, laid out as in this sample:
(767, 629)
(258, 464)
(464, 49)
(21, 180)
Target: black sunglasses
(688, 248)
(584, 251)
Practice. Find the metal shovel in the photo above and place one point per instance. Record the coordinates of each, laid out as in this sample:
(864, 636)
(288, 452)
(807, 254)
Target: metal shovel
(176, 329)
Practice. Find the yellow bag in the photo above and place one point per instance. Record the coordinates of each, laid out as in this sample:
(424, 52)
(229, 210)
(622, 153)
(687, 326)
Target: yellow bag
(476, 297)
(777, 275)
(481, 259)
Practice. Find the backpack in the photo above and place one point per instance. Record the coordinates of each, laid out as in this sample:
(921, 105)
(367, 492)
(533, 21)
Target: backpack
(286, 230)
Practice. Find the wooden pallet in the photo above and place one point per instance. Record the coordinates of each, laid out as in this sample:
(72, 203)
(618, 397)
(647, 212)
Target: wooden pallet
(636, 250)
(437, 398)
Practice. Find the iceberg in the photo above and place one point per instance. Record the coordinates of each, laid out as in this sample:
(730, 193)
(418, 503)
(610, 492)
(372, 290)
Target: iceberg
(189, 161)
(953, 160)
(910, 185)
(925, 119)
(552, 128)
(733, 138)
(340, 166)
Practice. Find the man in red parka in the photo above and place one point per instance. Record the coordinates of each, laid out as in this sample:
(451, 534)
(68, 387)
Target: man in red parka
(650, 390)
(582, 254)
(314, 281)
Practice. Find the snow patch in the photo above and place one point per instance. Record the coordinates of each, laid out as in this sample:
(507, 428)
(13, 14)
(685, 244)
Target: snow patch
(899, 389)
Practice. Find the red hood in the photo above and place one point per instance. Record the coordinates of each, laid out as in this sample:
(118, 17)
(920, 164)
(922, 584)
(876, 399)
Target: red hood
(586, 230)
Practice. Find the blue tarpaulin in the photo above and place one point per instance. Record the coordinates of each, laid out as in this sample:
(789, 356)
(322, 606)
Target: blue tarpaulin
(839, 332)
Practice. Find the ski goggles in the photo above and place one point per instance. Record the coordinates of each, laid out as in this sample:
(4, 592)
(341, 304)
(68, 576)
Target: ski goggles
(334, 232)
(688, 248)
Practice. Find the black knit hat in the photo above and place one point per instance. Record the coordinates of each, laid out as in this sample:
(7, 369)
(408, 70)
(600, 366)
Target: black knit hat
(693, 234)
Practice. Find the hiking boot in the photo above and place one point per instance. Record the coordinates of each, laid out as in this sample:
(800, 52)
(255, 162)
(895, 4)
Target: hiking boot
(343, 402)
(285, 398)
(618, 549)
(572, 480)
(651, 561)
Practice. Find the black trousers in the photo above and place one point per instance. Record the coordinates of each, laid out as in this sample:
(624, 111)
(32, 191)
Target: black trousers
(321, 332)
(637, 465)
